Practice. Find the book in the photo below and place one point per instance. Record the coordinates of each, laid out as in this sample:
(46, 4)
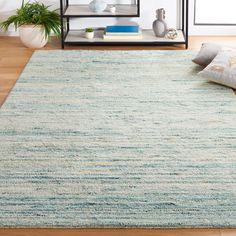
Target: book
(123, 34)
(122, 29)
(122, 37)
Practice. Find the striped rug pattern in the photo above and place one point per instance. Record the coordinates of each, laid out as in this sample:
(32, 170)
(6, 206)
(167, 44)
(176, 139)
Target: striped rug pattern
(117, 139)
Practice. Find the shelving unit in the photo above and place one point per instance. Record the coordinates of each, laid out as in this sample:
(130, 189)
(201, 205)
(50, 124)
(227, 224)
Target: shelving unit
(76, 37)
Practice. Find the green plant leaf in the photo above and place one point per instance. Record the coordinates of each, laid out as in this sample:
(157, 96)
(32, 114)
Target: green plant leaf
(35, 13)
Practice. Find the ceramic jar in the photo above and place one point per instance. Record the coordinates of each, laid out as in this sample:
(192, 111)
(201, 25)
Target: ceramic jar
(159, 25)
(33, 36)
(112, 9)
(89, 35)
(97, 6)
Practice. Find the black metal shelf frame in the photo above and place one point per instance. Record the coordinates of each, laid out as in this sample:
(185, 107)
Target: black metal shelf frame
(65, 27)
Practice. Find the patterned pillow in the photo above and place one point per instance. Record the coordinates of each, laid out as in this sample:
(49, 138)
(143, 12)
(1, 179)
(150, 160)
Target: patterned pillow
(222, 70)
(208, 52)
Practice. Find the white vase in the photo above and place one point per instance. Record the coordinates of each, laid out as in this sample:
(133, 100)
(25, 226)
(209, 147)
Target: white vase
(33, 36)
(159, 25)
(97, 6)
(89, 35)
(113, 9)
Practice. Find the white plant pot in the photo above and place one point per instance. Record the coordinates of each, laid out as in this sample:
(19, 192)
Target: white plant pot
(89, 35)
(33, 36)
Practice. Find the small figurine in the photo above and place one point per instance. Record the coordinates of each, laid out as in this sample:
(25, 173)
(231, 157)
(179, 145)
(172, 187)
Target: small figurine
(171, 34)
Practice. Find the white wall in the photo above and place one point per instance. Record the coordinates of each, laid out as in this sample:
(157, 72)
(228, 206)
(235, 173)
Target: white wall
(148, 7)
(212, 11)
(223, 13)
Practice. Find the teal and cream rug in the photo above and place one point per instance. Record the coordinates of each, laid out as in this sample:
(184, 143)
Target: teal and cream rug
(117, 139)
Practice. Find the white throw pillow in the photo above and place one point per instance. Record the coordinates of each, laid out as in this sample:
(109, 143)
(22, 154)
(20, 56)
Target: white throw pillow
(222, 70)
(208, 52)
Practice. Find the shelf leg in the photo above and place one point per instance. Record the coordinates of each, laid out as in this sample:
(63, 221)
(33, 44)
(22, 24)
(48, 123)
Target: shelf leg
(187, 23)
(62, 23)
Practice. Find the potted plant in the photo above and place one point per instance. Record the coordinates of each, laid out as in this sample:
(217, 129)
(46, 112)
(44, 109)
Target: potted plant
(35, 23)
(89, 33)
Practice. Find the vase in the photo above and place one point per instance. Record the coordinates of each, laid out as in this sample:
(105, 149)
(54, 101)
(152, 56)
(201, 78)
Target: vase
(89, 35)
(159, 25)
(33, 36)
(97, 6)
(112, 9)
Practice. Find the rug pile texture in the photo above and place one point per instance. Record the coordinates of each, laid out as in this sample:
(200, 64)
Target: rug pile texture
(117, 139)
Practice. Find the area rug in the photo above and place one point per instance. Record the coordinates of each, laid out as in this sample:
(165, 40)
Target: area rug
(117, 139)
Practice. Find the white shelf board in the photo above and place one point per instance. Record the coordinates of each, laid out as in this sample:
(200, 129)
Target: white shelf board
(148, 37)
(83, 10)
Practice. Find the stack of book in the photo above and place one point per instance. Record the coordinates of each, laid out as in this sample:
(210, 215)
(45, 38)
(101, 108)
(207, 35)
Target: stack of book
(122, 32)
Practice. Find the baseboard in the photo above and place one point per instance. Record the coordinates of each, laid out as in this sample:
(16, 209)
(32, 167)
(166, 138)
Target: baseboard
(9, 33)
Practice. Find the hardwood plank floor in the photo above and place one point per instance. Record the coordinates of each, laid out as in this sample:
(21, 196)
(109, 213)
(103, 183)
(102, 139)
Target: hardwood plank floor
(13, 58)
(110, 232)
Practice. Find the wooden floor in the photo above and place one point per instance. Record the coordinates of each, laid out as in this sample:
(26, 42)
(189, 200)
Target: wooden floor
(13, 58)
(116, 232)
